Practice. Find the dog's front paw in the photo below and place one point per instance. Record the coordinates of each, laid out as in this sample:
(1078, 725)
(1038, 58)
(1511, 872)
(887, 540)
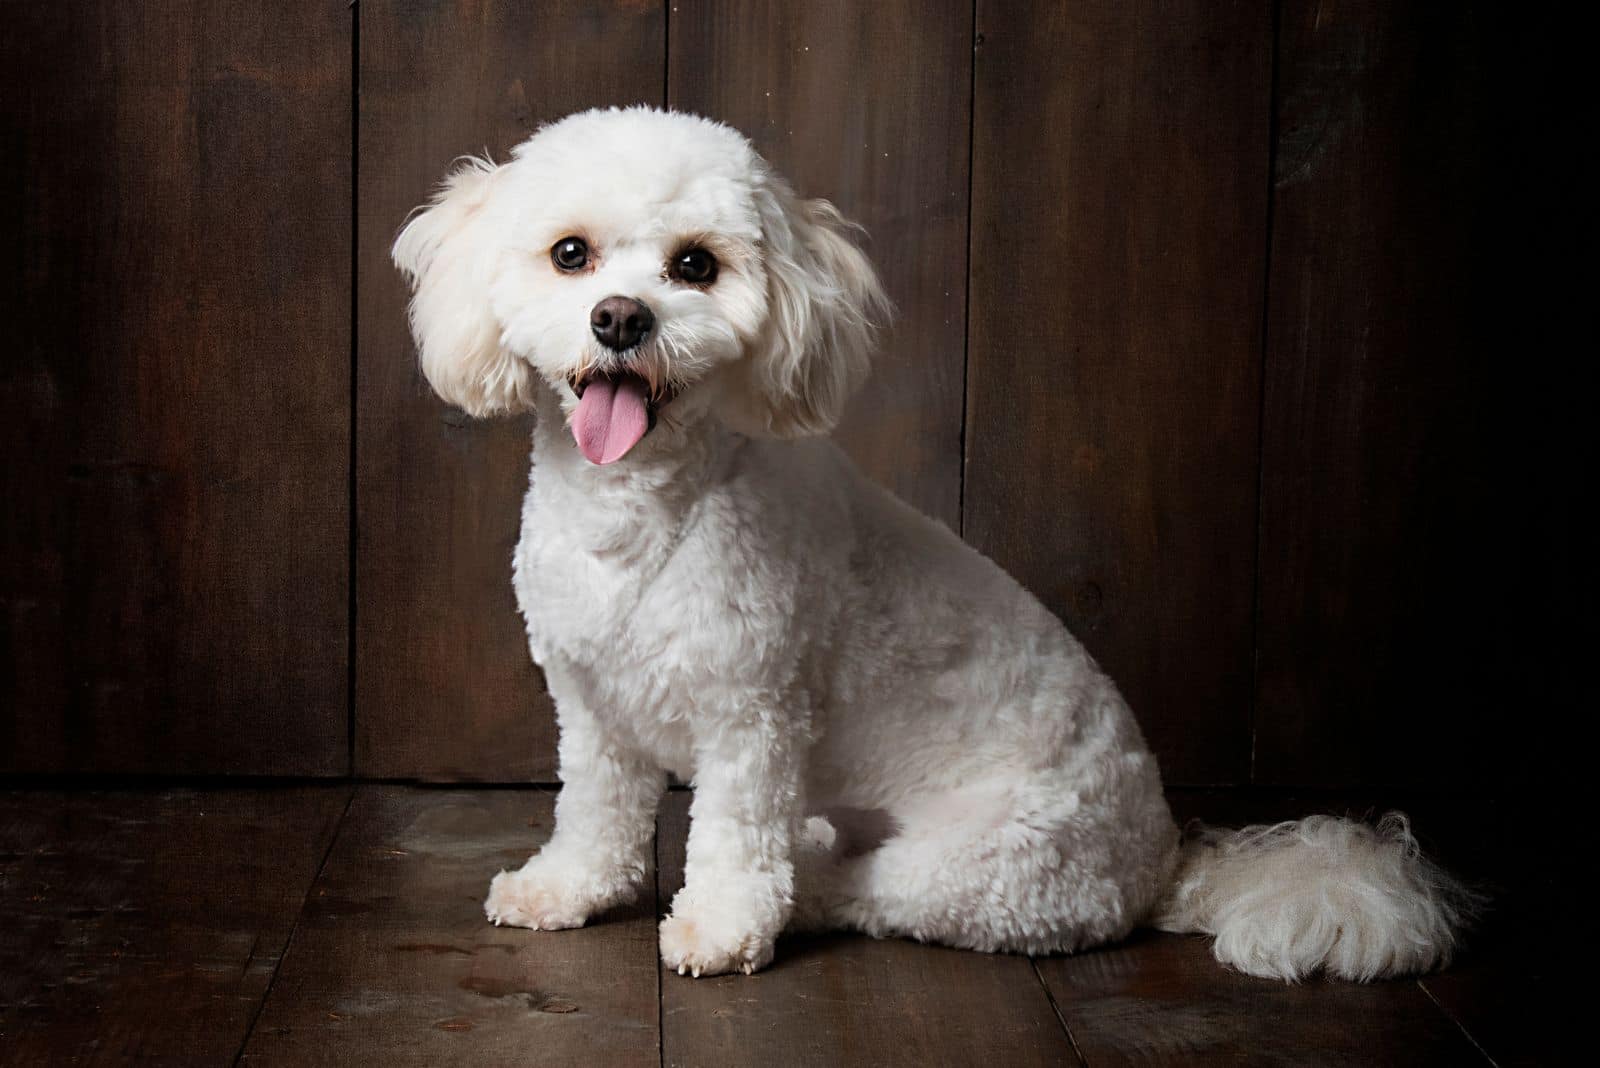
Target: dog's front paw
(531, 898)
(693, 943)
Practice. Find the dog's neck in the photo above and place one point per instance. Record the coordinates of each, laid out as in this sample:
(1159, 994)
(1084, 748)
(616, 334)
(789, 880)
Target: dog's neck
(646, 496)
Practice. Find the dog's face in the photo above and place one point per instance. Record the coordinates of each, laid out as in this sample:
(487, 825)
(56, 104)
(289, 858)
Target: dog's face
(641, 263)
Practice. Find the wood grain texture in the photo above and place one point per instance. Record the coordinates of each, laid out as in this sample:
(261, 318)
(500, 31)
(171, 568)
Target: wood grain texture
(1162, 999)
(1510, 989)
(146, 927)
(444, 685)
(1417, 565)
(1119, 214)
(175, 396)
(866, 105)
(1510, 994)
(393, 962)
(149, 925)
(850, 999)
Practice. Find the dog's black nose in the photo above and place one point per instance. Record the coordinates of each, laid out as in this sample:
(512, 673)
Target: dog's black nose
(621, 322)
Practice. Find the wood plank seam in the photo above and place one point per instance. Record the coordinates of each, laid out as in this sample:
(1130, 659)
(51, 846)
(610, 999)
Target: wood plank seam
(666, 53)
(1460, 1024)
(974, 39)
(355, 386)
(294, 928)
(660, 909)
(1261, 378)
(1049, 995)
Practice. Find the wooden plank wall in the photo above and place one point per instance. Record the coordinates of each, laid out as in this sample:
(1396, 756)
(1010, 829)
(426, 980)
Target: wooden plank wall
(1413, 488)
(444, 686)
(176, 387)
(1204, 316)
(867, 105)
(1118, 242)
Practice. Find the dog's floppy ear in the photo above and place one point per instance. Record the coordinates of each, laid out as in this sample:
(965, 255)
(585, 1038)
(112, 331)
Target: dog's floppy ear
(824, 304)
(446, 252)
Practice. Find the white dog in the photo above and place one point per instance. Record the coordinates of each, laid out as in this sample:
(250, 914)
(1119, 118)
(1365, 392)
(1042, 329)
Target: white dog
(885, 732)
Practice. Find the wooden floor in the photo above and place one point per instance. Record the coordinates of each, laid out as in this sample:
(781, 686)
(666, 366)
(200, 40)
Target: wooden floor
(343, 925)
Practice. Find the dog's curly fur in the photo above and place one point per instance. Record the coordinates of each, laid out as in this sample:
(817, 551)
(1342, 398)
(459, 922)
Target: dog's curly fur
(885, 732)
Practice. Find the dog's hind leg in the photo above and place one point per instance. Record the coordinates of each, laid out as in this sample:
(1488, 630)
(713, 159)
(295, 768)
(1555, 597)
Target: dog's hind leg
(1023, 867)
(823, 850)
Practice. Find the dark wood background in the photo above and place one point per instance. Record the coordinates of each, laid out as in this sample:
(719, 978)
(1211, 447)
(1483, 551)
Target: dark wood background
(1228, 328)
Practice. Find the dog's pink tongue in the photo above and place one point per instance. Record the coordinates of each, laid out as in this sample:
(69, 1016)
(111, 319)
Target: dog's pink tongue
(611, 418)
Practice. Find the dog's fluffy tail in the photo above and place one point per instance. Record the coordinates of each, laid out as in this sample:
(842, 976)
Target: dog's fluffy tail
(1319, 894)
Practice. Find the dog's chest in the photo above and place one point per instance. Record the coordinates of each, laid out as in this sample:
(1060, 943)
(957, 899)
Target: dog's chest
(603, 607)
(584, 573)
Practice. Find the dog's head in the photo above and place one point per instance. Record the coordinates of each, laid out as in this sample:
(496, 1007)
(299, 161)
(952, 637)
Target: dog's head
(639, 261)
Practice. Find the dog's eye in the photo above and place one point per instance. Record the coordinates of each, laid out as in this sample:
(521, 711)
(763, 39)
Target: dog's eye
(695, 266)
(570, 254)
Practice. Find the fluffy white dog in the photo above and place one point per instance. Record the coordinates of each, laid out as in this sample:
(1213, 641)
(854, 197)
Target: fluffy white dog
(885, 732)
